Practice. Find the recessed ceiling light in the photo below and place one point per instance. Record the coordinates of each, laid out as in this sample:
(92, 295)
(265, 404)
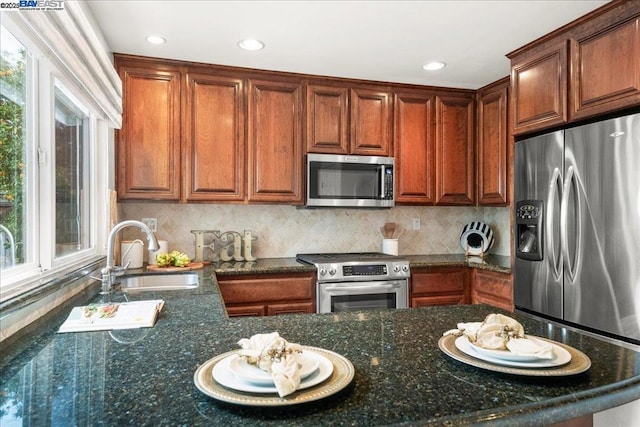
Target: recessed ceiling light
(156, 40)
(434, 65)
(251, 44)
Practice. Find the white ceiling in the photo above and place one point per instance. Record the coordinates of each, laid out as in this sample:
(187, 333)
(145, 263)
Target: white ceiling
(372, 40)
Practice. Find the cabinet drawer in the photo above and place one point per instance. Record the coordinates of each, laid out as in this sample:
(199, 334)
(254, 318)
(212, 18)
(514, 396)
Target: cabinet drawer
(291, 308)
(441, 300)
(247, 310)
(247, 289)
(437, 281)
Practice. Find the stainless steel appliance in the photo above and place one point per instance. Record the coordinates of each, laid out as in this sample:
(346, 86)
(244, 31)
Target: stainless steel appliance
(350, 181)
(577, 226)
(359, 281)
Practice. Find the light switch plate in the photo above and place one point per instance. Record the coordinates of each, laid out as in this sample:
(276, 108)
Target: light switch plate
(152, 223)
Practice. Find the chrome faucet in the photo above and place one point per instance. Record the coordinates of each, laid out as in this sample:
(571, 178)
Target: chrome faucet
(12, 246)
(110, 271)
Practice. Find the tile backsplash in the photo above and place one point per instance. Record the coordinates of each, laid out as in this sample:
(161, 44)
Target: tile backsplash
(284, 231)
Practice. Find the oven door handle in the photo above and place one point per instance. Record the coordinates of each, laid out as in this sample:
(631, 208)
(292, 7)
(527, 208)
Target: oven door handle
(378, 286)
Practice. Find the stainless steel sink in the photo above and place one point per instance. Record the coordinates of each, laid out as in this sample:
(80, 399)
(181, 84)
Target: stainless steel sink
(159, 282)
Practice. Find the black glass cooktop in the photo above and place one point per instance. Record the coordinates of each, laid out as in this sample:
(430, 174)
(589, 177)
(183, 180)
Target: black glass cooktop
(344, 257)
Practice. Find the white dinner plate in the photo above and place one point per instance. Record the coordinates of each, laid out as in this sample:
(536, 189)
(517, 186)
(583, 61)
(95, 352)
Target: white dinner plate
(508, 355)
(561, 356)
(223, 375)
(252, 374)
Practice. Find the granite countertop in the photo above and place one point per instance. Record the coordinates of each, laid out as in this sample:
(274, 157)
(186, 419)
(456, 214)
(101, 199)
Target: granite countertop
(497, 263)
(145, 376)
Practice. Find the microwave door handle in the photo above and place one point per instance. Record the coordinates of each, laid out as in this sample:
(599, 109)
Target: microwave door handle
(382, 189)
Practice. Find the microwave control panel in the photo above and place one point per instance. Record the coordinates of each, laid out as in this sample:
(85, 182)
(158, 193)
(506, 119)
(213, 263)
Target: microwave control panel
(388, 183)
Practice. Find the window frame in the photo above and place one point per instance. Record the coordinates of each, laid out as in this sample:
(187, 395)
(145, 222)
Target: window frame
(41, 264)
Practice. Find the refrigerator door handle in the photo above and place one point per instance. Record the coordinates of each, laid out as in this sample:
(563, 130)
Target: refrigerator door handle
(569, 184)
(555, 186)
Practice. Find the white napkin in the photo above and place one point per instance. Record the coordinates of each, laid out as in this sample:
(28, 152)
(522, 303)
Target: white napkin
(499, 332)
(529, 346)
(272, 353)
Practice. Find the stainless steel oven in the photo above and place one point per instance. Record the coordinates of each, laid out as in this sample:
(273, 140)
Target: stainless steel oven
(359, 281)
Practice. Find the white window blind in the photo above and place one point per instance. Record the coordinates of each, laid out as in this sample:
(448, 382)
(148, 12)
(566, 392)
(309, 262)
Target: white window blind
(73, 45)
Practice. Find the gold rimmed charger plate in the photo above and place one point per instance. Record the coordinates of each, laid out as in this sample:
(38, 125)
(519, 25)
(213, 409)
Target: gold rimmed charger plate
(342, 375)
(579, 363)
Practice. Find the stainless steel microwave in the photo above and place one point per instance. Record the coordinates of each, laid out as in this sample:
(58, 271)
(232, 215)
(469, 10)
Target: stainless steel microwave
(350, 181)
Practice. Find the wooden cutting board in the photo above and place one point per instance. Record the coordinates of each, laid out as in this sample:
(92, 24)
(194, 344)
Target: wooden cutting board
(190, 266)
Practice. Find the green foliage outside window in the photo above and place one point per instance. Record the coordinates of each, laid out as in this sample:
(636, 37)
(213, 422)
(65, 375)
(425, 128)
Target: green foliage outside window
(12, 143)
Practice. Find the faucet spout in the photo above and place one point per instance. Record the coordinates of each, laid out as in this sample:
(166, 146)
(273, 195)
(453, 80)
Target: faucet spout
(109, 271)
(12, 246)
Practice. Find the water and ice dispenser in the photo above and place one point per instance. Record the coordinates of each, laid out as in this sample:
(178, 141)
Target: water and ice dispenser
(529, 229)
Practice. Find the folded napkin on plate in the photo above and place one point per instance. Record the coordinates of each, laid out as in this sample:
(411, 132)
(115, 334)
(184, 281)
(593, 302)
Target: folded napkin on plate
(272, 353)
(499, 332)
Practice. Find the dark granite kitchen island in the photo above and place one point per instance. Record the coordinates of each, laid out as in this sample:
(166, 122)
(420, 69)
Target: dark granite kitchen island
(145, 377)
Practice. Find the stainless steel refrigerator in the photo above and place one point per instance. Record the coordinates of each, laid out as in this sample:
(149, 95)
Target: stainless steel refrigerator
(577, 220)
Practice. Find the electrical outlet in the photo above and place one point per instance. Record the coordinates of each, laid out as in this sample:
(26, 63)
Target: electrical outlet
(152, 223)
(416, 223)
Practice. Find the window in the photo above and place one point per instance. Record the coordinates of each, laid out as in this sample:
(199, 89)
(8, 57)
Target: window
(13, 148)
(71, 175)
(50, 180)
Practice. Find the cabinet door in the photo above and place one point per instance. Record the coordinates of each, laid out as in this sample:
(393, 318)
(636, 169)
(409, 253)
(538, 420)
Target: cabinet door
(492, 288)
(492, 146)
(148, 145)
(327, 119)
(275, 142)
(214, 142)
(455, 178)
(539, 89)
(370, 122)
(605, 69)
(414, 129)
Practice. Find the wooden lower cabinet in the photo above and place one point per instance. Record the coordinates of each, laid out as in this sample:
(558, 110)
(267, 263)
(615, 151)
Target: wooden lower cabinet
(439, 286)
(460, 285)
(268, 294)
(492, 288)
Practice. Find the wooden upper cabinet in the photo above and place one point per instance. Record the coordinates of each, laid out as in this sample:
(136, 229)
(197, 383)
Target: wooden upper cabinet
(605, 69)
(492, 154)
(455, 177)
(148, 145)
(414, 133)
(214, 139)
(275, 141)
(371, 122)
(539, 89)
(327, 119)
(587, 68)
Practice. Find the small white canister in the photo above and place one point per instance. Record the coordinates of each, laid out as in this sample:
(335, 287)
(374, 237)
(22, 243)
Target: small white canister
(164, 249)
(131, 251)
(390, 246)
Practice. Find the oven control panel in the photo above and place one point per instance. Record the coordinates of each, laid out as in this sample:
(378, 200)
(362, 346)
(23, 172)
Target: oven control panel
(363, 271)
